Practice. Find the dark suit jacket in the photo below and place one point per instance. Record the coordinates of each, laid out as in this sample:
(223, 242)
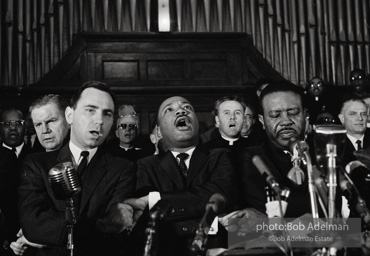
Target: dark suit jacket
(348, 149)
(109, 180)
(253, 184)
(9, 225)
(209, 172)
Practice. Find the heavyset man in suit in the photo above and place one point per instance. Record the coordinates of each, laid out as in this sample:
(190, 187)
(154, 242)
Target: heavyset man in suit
(47, 113)
(159, 176)
(284, 120)
(106, 182)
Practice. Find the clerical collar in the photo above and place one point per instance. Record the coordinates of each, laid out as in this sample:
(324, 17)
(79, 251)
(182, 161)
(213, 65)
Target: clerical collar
(76, 152)
(230, 140)
(126, 149)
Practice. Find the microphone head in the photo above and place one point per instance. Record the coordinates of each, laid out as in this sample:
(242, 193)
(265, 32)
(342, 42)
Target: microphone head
(217, 202)
(64, 181)
(160, 210)
(298, 145)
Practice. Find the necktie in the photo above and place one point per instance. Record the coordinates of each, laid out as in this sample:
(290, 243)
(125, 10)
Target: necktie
(82, 166)
(14, 149)
(358, 142)
(182, 165)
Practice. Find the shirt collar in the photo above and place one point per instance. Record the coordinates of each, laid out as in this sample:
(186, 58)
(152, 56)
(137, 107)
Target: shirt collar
(189, 152)
(353, 140)
(76, 152)
(18, 149)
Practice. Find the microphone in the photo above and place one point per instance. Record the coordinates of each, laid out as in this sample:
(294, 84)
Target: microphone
(215, 206)
(265, 172)
(350, 192)
(160, 210)
(64, 181)
(300, 146)
(322, 190)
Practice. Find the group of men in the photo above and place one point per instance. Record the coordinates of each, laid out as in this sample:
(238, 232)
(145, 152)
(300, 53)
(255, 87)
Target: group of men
(116, 194)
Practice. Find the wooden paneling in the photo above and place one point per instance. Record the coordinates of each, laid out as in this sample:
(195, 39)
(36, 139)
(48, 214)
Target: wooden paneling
(145, 69)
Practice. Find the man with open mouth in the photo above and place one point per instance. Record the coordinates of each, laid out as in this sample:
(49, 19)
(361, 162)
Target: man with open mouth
(186, 176)
(106, 181)
(229, 113)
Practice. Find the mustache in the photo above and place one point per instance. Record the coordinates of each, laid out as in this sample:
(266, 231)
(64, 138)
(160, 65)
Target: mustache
(285, 128)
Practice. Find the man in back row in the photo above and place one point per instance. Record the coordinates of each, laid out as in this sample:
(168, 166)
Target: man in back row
(106, 182)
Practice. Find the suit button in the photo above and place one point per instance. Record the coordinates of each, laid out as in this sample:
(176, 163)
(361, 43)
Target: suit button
(181, 210)
(184, 229)
(173, 210)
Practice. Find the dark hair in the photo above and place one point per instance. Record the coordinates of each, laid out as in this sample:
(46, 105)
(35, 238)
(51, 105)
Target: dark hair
(49, 99)
(281, 86)
(251, 106)
(10, 109)
(227, 98)
(262, 81)
(90, 84)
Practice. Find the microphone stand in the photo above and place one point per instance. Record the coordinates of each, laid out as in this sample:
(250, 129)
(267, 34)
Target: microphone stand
(150, 232)
(311, 187)
(332, 176)
(71, 221)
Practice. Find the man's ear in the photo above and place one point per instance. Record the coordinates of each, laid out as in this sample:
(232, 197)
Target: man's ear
(69, 115)
(262, 121)
(159, 133)
(152, 138)
(217, 120)
(341, 118)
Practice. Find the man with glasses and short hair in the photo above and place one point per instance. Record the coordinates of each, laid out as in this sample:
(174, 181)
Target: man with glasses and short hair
(12, 129)
(127, 130)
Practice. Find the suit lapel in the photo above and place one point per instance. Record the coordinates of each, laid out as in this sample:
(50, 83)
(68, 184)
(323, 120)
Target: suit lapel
(96, 169)
(64, 155)
(169, 164)
(197, 161)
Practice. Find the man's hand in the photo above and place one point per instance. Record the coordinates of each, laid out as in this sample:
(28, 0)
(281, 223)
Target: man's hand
(138, 204)
(21, 245)
(242, 221)
(119, 218)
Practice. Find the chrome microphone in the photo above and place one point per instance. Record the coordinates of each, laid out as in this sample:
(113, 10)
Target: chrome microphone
(214, 207)
(265, 172)
(300, 146)
(64, 181)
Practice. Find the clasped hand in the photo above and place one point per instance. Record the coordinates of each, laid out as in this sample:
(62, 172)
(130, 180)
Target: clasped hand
(122, 216)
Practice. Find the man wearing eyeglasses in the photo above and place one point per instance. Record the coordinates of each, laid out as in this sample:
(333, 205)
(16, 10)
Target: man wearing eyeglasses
(131, 145)
(126, 132)
(12, 129)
